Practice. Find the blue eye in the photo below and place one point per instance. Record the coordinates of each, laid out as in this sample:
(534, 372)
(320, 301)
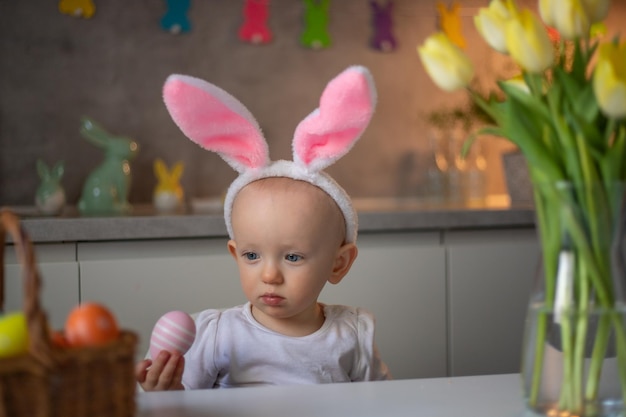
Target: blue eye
(251, 256)
(292, 257)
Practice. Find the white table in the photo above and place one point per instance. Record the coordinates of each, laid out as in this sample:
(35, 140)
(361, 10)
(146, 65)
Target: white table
(477, 396)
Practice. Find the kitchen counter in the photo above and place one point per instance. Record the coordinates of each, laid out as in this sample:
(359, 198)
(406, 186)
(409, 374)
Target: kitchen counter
(375, 215)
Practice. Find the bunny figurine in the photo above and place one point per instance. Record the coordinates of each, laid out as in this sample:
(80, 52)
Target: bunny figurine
(168, 194)
(105, 191)
(50, 195)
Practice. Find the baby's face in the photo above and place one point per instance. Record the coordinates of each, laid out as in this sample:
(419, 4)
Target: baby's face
(287, 235)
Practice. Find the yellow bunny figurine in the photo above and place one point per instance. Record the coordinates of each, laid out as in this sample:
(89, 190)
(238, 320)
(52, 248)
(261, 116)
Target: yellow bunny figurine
(168, 194)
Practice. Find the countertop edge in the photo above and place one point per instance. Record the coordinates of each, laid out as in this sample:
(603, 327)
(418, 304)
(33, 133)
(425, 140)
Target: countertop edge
(138, 227)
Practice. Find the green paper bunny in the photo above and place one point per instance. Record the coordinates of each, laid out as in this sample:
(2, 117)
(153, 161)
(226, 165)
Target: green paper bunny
(315, 33)
(106, 189)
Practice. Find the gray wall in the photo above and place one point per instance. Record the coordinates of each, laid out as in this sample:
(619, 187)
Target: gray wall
(55, 68)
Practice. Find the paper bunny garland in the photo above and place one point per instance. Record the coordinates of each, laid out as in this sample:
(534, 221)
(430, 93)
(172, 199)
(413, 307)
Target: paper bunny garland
(218, 122)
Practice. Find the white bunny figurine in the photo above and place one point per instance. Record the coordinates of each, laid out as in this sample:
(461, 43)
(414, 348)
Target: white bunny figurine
(50, 195)
(218, 122)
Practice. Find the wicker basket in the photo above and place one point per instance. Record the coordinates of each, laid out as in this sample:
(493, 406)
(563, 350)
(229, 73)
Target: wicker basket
(51, 381)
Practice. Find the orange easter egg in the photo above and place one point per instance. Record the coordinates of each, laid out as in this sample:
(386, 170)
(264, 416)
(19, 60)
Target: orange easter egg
(58, 339)
(91, 324)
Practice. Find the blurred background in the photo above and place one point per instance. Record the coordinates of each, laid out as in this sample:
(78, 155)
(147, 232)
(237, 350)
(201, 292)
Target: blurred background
(56, 68)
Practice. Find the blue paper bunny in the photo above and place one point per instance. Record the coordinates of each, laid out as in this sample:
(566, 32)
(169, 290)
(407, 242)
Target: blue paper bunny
(175, 19)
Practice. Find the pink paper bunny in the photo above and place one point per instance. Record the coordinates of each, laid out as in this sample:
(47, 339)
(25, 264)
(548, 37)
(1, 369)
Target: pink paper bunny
(254, 28)
(218, 122)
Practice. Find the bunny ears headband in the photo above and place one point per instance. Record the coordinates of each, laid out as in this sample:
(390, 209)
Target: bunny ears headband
(218, 122)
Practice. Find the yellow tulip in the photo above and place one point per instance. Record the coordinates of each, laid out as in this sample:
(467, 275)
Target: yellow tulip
(597, 10)
(528, 42)
(445, 62)
(609, 79)
(569, 17)
(490, 23)
(546, 8)
(519, 83)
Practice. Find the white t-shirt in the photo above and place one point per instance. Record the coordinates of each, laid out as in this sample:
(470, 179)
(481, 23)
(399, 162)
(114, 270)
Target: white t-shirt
(233, 350)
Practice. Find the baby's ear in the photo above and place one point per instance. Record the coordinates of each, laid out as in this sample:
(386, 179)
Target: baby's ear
(346, 255)
(232, 248)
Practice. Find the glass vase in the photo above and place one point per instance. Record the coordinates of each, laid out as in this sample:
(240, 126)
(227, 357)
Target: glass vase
(574, 352)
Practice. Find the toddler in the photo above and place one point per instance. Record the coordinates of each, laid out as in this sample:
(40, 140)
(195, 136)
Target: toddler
(292, 229)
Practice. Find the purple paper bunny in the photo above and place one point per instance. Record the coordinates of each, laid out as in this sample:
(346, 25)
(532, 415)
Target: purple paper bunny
(382, 23)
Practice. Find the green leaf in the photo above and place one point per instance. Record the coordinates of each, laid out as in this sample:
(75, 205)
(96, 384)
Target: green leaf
(612, 165)
(581, 60)
(587, 104)
(490, 106)
(531, 102)
(589, 129)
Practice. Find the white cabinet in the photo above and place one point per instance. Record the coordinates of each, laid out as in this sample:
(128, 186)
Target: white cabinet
(59, 272)
(447, 303)
(490, 274)
(142, 280)
(400, 278)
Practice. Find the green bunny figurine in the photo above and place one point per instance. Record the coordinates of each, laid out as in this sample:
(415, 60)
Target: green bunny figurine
(106, 189)
(50, 195)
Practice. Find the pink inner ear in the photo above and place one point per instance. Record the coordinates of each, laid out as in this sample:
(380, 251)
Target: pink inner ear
(346, 107)
(216, 121)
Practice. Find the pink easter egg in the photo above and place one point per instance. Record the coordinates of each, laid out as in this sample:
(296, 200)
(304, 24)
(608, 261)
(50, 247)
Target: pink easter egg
(175, 330)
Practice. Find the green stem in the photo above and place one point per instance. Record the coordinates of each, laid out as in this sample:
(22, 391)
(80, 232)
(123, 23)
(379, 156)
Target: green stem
(582, 320)
(545, 220)
(578, 235)
(620, 335)
(566, 400)
(540, 341)
(597, 357)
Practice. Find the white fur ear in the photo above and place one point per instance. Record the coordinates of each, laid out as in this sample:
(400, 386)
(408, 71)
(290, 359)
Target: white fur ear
(216, 121)
(346, 108)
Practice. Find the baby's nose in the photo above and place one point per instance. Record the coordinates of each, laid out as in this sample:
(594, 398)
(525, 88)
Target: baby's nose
(271, 274)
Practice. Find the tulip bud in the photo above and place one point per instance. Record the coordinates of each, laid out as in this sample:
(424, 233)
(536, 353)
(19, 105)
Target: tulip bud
(490, 23)
(609, 79)
(569, 17)
(528, 42)
(597, 10)
(445, 63)
(519, 83)
(546, 11)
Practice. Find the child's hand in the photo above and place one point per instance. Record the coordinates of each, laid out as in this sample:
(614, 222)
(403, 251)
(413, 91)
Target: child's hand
(165, 373)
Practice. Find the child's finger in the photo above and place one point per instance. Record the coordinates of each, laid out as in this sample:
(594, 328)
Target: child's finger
(177, 382)
(154, 376)
(141, 369)
(167, 379)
